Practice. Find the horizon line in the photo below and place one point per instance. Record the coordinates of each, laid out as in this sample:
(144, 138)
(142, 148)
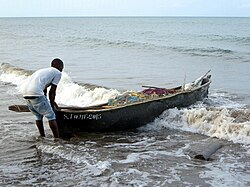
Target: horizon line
(125, 16)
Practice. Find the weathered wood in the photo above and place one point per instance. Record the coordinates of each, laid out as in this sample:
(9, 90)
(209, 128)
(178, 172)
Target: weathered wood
(176, 88)
(19, 108)
(24, 108)
(208, 151)
(99, 106)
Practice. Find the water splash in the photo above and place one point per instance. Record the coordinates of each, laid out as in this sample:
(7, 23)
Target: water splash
(68, 92)
(223, 123)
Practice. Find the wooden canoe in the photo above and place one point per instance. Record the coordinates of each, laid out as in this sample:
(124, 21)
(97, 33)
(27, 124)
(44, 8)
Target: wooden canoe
(130, 116)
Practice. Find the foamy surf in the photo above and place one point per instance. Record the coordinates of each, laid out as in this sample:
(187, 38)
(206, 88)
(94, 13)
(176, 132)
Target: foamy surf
(222, 123)
(69, 93)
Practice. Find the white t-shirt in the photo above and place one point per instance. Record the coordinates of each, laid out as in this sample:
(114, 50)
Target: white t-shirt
(40, 80)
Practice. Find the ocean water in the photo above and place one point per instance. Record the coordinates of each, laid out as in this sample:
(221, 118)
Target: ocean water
(103, 58)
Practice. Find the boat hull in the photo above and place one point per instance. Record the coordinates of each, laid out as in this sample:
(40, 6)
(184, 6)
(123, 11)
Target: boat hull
(127, 117)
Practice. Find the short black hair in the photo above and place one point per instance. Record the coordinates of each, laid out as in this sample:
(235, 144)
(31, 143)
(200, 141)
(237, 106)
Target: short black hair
(56, 61)
(58, 64)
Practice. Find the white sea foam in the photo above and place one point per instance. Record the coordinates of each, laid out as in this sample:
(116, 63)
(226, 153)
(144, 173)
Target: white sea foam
(218, 123)
(68, 92)
(12, 78)
(223, 172)
(134, 157)
(214, 122)
(92, 166)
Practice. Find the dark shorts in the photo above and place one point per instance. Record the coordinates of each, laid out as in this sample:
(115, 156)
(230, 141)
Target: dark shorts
(40, 107)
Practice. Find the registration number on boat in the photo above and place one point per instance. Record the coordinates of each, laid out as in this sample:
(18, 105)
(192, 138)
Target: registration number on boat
(82, 116)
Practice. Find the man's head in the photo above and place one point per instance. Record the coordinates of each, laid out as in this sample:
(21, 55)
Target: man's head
(58, 64)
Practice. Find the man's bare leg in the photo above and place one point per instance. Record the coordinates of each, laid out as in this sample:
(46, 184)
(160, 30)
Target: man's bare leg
(39, 124)
(54, 128)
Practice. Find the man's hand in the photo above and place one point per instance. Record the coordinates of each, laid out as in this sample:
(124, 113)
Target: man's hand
(54, 105)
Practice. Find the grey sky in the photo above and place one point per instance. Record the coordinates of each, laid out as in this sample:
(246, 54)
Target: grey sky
(33, 8)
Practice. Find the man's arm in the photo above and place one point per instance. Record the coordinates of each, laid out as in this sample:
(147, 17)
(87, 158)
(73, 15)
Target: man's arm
(52, 95)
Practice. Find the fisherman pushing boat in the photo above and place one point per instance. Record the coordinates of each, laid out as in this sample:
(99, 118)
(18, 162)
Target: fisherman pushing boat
(35, 91)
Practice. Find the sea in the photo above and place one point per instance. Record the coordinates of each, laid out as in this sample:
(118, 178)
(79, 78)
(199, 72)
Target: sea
(107, 56)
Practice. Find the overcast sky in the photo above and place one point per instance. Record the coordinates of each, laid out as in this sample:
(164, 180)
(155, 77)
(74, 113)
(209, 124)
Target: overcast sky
(34, 8)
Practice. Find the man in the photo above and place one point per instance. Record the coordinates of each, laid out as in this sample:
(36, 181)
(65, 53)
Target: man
(35, 91)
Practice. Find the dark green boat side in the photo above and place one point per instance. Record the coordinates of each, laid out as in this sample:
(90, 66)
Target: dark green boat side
(72, 120)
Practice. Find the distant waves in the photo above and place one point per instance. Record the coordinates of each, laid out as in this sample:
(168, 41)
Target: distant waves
(166, 47)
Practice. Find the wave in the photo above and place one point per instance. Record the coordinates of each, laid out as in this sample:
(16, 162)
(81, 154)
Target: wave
(99, 42)
(194, 51)
(10, 69)
(68, 92)
(210, 51)
(245, 40)
(232, 124)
